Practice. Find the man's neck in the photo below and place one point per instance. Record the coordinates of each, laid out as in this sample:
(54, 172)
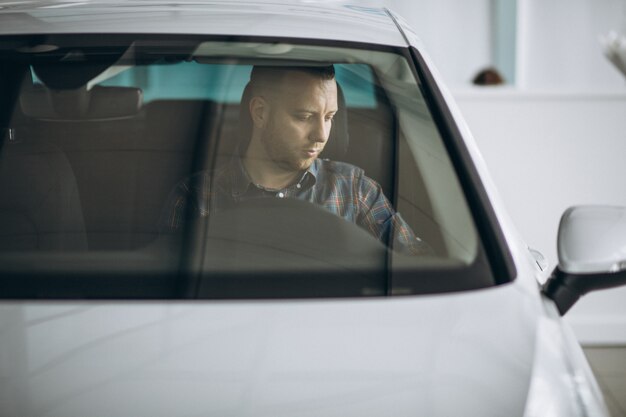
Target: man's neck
(264, 172)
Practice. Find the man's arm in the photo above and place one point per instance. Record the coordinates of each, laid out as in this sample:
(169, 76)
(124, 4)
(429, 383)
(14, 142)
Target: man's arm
(378, 216)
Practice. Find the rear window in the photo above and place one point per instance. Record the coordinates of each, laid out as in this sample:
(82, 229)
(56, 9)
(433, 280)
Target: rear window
(143, 168)
(190, 80)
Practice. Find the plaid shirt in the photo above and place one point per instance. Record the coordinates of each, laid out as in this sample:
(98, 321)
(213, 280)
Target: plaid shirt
(340, 188)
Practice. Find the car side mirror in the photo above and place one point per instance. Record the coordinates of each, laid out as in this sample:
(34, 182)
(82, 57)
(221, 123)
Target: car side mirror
(592, 253)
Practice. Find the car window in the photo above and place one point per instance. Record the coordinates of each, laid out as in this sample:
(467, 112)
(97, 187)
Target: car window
(190, 80)
(138, 168)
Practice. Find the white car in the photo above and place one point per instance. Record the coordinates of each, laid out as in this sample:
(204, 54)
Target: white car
(267, 306)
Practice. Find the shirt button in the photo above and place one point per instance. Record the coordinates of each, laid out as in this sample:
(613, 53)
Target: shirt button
(280, 195)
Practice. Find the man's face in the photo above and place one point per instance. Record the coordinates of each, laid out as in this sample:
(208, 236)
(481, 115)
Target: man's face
(301, 110)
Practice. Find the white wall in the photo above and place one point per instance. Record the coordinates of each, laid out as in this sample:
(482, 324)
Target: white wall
(555, 139)
(547, 152)
(460, 50)
(557, 48)
(560, 46)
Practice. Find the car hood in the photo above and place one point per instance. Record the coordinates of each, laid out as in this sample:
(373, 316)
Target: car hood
(459, 354)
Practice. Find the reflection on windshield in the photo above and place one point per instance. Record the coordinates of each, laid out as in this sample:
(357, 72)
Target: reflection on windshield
(207, 165)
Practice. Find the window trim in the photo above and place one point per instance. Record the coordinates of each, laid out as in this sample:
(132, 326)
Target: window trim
(489, 231)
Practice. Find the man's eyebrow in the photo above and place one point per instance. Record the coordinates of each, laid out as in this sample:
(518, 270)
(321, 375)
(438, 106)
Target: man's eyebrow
(313, 111)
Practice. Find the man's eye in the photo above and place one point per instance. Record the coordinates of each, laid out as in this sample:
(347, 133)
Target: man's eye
(303, 117)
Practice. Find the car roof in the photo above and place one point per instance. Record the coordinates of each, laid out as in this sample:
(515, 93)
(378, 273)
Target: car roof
(329, 20)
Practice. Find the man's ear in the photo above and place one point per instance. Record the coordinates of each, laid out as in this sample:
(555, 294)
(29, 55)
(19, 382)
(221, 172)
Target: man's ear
(259, 111)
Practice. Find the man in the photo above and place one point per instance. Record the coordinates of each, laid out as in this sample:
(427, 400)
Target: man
(291, 111)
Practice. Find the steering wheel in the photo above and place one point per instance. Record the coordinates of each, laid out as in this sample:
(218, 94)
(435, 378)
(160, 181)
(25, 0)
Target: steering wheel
(282, 235)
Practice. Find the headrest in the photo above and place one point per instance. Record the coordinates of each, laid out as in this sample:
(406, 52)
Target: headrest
(338, 141)
(68, 70)
(80, 104)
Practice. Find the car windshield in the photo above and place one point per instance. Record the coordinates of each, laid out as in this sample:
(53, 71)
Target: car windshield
(207, 168)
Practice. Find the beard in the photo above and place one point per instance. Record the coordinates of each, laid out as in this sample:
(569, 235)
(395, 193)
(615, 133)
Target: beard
(287, 158)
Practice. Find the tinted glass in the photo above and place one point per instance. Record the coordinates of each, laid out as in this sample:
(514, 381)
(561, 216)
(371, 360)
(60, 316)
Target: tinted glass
(138, 168)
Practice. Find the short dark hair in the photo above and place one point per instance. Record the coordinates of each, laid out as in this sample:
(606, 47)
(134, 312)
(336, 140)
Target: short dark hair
(269, 76)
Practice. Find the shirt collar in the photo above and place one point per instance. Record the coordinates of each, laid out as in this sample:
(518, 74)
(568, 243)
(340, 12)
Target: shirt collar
(240, 180)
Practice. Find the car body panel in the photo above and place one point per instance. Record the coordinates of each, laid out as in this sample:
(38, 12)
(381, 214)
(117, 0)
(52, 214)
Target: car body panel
(331, 357)
(344, 22)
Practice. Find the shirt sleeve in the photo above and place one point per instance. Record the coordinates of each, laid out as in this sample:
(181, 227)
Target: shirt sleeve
(378, 217)
(173, 213)
(189, 198)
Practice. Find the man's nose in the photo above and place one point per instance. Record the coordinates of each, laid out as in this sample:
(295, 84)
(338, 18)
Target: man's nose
(321, 131)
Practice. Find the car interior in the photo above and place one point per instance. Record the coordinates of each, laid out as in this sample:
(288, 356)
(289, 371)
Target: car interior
(88, 169)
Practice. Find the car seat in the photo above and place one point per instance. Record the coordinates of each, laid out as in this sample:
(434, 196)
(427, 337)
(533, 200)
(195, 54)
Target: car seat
(40, 207)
